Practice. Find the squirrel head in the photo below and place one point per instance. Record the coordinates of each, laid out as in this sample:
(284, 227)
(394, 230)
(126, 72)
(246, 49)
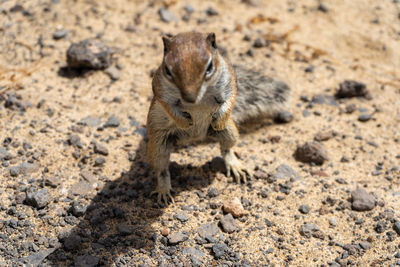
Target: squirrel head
(190, 61)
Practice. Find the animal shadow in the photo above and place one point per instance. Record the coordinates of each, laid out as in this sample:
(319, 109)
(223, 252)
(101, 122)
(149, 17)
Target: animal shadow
(118, 221)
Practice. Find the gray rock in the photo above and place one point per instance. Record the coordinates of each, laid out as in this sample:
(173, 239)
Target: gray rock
(52, 181)
(90, 121)
(284, 171)
(4, 154)
(72, 242)
(310, 229)
(219, 250)
(284, 117)
(86, 261)
(311, 152)
(111, 122)
(99, 161)
(397, 255)
(14, 171)
(166, 15)
(182, 217)
(60, 34)
(37, 199)
(332, 222)
(35, 259)
(207, 230)
(113, 73)
(364, 117)
(361, 200)
(304, 209)
(396, 227)
(228, 224)
(78, 209)
(75, 140)
(212, 11)
(193, 252)
(89, 53)
(100, 149)
(176, 238)
(82, 188)
(324, 99)
(124, 229)
(189, 9)
(88, 176)
(365, 245)
(351, 88)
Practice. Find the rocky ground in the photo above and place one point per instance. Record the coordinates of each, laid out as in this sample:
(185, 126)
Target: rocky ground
(75, 184)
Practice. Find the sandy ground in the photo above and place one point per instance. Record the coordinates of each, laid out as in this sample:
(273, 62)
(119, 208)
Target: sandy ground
(358, 40)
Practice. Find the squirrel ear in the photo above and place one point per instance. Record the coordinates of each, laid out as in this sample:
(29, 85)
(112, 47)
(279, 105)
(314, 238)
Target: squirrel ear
(211, 40)
(166, 41)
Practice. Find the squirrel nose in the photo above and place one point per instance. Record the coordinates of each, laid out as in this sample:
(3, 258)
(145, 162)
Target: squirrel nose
(188, 97)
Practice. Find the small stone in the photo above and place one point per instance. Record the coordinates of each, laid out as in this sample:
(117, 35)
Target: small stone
(380, 227)
(74, 140)
(78, 209)
(396, 227)
(52, 181)
(332, 222)
(165, 232)
(211, 12)
(35, 259)
(350, 88)
(88, 176)
(219, 250)
(100, 149)
(304, 209)
(323, 136)
(113, 73)
(72, 242)
(189, 9)
(60, 34)
(284, 117)
(111, 122)
(166, 15)
(124, 229)
(361, 200)
(322, 7)
(324, 99)
(234, 207)
(212, 192)
(259, 42)
(350, 108)
(86, 261)
(82, 188)
(89, 53)
(311, 152)
(284, 171)
(364, 117)
(228, 224)
(182, 217)
(176, 238)
(207, 230)
(397, 255)
(90, 121)
(37, 199)
(309, 229)
(365, 245)
(99, 161)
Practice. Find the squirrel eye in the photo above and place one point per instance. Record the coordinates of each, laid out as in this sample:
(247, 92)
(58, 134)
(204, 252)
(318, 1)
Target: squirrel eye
(209, 68)
(167, 71)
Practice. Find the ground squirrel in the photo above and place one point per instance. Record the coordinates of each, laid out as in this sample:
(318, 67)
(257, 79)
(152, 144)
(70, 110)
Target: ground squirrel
(199, 95)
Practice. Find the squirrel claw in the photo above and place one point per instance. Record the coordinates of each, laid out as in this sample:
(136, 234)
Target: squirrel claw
(163, 197)
(235, 168)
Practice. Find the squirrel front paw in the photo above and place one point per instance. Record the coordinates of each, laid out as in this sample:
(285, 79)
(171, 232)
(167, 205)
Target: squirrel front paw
(218, 124)
(185, 121)
(235, 168)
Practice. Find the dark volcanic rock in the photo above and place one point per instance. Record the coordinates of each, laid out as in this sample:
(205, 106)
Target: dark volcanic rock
(311, 152)
(351, 88)
(37, 199)
(309, 229)
(396, 227)
(86, 261)
(219, 250)
(72, 242)
(177, 238)
(100, 149)
(35, 259)
(207, 230)
(361, 200)
(228, 224)
(111, 122)
(283, 117)
(90, 54)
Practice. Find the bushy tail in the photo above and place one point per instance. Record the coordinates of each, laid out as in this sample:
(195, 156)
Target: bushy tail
(258, 96)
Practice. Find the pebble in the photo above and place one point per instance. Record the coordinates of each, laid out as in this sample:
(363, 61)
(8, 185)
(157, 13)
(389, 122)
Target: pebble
(176, 238)
(332, 222)
(35, 259)
(364, 117)
(304, 209)
(228, 224)
(234, 207)
(361, 200)
(99, 161)
(207, 230)
(37, 198)
(310, 229)
(323, 136)
(60, 34)
(311, 152)
(124, 229)
(166, 15)
(112, 122)
(212, 11)
(78, 209)
(365, 245)
(219, 250)
(284, 117)
(284, 171)
(259, 42)
(350, 88)
(88, 176)
(90, 121)
(324, 99)
(89, 53)
(100, 149)
(113, 72)
(72, 242)
(212, 192)
(182, 217)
